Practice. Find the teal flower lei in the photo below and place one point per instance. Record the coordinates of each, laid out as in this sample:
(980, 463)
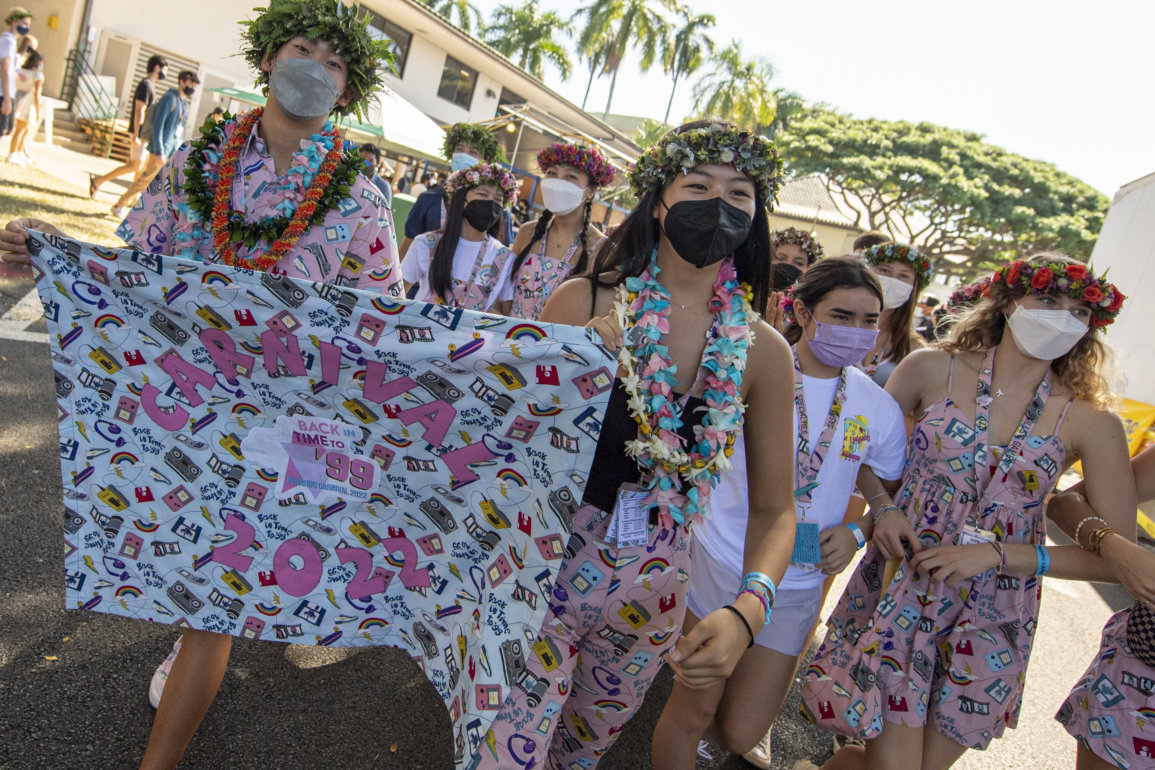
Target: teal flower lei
(679, 482)
(204, 159)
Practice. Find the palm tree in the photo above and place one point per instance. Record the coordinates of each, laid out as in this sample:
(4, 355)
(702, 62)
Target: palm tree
(467, 13)
(623, 23)
(791, 106)
(687, 50)
(737, 89)
(649, 132)
(526, 35)
(593, 52)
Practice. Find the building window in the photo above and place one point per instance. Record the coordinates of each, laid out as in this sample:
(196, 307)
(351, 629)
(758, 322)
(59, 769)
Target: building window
(509, 98)
(381, 28)
(457, 82)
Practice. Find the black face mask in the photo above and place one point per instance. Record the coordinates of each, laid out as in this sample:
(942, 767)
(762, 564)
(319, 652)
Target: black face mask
(482, 214)
(188, 90)
(704, 232)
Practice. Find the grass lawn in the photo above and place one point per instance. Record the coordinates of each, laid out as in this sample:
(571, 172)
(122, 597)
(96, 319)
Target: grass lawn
(29, 192)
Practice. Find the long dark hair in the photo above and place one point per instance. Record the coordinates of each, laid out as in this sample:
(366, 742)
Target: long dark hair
(33, 59)
(629, 248)
(539, 229)
(900, 329)
(441, 263)
(823, 277)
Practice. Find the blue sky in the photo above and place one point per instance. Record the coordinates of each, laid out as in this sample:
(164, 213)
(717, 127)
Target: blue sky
(1067, 82)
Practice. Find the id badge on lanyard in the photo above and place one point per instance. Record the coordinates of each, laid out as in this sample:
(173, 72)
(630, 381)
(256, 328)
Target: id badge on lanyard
(630, 524)
(974, 535)
(806, 554)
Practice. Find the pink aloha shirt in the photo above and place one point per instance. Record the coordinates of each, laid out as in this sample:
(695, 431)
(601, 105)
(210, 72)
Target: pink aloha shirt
(353, 247)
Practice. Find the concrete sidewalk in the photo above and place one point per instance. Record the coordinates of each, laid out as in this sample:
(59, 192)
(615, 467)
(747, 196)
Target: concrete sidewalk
(73, 168)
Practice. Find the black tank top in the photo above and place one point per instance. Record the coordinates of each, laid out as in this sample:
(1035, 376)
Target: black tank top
(612, 467)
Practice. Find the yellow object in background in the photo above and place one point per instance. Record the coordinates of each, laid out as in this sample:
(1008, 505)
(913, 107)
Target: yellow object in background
(1139, 425)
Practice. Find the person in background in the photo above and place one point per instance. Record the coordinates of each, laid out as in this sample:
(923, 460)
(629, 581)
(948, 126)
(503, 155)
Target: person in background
(925, 320)
(30, 81)
(167, 135)
(466, 144)
(27, 44)
(463, 264)
(795, 247)
(563, 234)
(421, 186)
(19, 23)
(217, 115)
(903, 272)
(371, 154)
(142, 99)
(868, 239)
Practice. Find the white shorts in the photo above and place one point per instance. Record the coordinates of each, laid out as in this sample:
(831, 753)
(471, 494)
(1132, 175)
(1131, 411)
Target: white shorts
(713, 586)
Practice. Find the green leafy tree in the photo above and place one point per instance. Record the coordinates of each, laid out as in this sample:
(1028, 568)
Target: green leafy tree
(737, 89)
(789, 107)
(624, 24)
(947, 191)
(649, 132)
(687, 50)
(527, 35)
(593, 52)
(468, 17)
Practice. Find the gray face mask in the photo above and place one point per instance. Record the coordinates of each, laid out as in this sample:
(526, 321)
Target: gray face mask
(302, 89)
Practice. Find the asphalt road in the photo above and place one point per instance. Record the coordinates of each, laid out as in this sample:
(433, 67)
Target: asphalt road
(73, 685)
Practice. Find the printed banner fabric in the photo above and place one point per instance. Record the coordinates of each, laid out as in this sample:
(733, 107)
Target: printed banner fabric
(260, 456)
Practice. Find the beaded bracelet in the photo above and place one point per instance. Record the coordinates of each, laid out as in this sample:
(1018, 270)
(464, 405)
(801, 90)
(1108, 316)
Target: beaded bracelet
(745, 622)
(1044, 560)
(876, 515)
(762, 587)
(858, 536)
(1002, 556)
(1079, 529)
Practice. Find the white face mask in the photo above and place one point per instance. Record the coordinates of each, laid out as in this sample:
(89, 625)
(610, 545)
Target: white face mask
(1045, 334)
(895, 293)
(561, 197)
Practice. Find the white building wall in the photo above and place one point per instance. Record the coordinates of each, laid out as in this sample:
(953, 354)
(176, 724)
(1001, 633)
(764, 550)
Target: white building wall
(1126, 246)
(422, 77)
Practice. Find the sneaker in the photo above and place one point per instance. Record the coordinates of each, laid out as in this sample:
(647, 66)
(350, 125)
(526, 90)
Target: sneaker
(160, 676)
(16, 159)
(119, 211)
(759, 756)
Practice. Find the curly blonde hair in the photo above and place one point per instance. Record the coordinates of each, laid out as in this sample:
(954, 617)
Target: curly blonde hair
(1086, 370)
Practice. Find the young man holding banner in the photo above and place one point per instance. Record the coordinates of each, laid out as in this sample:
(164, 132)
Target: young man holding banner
(270, 190)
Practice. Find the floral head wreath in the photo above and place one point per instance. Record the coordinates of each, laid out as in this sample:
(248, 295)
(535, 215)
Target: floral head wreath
(476, 136)
(968, 296)
(898, 252)
(787, 305)
(329, 20)
(801, 238)
(1049, 278)
(715, 143)
(483, 173)
(585, 159)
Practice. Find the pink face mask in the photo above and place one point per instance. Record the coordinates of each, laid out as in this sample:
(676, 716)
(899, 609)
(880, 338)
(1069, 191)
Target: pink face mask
(841, 345)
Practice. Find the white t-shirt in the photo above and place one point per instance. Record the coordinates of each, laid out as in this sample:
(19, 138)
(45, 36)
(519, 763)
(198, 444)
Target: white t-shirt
(415, 266)
(8, 44)
(877, 437)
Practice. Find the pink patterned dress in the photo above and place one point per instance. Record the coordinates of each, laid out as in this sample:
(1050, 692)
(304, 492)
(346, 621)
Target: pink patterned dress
(915, 652)
(539, 275)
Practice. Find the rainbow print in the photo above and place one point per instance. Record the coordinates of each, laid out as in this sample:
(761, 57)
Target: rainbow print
(890, 663)
(526, 332)
(658, 638)
(215, 278)
(388, 307)
(243, 408)
(255, 348)
(358, 376)
(393, 560)
(1147, 713)
(134, 389)
(145, 526)
(458, 353)
(929, 535)
(196, 426)
(607, 558)
(817, 671)
(105, 253)
(606, 704)
(125, 457)
(380, 499)
(655, 566)
(369, 623)
(563, 687)
(107, 320)
(268, 609)
(543, 411)
(267, 475)
(398, 442)
(132, 591)
(958, 678)
(509, 475)
(380, 274)
(517, 560)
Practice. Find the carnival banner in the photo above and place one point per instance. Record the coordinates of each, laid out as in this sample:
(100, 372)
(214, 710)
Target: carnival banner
(260, 456)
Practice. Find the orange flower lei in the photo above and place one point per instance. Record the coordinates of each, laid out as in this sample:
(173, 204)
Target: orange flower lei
(222, 205)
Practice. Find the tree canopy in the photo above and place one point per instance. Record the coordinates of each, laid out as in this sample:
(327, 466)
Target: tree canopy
(947, 191)
(737, 89)
(526, 35)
